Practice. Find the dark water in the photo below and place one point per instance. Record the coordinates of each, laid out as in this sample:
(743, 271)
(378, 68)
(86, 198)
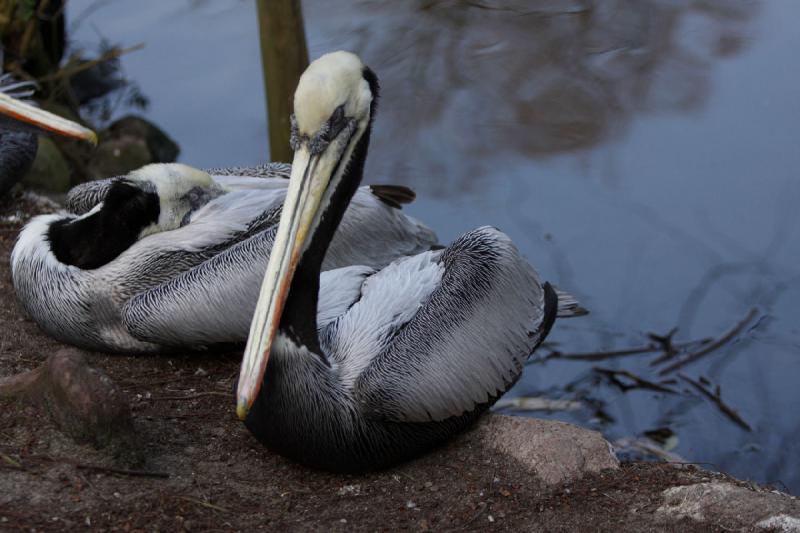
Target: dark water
(642, 153)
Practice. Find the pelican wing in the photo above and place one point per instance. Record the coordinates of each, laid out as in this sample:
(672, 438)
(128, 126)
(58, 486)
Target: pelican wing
(437, 335)
(213, 302)
(264, 170)
(84, 196)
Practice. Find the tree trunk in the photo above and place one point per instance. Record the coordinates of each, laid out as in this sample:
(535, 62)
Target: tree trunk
(284, 57)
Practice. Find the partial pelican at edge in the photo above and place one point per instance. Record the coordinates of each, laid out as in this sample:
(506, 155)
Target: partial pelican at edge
(20, 122)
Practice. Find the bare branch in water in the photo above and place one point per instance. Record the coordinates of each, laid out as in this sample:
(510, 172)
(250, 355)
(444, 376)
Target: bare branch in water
(638, 382)
(716, 399)
(613, 354)
(538, 403)
(713, 345)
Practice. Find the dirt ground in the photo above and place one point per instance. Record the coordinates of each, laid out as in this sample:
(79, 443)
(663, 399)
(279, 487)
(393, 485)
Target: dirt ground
(204, 472)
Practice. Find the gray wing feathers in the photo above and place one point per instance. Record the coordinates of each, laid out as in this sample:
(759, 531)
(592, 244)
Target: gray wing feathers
(568, 305)
(373, 234)
(264, 170)
(208, 304)
(83, 197)
(467, 343)
(214, 301)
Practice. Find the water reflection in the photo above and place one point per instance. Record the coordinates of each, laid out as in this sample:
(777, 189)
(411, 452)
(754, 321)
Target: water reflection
(535, 78)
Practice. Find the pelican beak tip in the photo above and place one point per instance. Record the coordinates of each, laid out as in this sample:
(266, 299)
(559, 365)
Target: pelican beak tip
(242, 408)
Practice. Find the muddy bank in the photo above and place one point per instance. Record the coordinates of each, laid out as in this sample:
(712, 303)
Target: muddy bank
(203, 471)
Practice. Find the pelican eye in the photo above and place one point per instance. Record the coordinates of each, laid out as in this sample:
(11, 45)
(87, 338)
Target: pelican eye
(197, 197)
(329, 131)
(336, 123)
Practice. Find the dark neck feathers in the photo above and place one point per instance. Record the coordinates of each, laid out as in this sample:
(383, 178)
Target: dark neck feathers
(95, 240)
(299, 318)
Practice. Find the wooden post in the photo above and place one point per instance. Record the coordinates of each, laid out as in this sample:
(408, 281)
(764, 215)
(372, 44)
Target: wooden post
(284, 57)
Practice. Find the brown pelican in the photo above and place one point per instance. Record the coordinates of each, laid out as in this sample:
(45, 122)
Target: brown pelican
(19, 124)
(171, 256)
(417, 350)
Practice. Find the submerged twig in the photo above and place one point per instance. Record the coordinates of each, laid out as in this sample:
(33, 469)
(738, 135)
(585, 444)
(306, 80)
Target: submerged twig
(538, 403)
(639, 382)
(612, 354)
(716, 398)
(601, 356)
(670, 348)
(646, 446)
(711, 346)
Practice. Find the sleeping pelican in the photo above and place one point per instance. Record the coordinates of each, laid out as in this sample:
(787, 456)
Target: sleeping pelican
(170, 256)
(417, 350)
(20, 122)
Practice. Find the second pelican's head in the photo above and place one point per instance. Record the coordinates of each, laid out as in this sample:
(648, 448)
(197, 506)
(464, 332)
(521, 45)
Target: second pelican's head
(179, 190)
(153, 199)
(333, 108)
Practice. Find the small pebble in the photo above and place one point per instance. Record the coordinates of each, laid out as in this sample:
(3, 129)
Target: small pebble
(349, 490)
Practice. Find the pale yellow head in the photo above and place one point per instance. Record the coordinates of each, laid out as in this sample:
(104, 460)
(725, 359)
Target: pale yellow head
(181, 190)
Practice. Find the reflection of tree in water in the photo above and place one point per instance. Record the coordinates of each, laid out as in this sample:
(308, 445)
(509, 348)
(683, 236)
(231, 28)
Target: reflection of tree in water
(534, 77)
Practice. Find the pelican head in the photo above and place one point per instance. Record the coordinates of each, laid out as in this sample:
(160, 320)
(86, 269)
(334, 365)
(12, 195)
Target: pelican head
(180, 191)
(16, 114)
(333, 107)
(153, 199)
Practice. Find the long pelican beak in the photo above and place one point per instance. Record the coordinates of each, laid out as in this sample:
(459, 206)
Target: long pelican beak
(307, 186)
(44, 121)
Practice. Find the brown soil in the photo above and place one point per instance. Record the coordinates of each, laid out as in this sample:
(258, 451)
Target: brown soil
(205, 471)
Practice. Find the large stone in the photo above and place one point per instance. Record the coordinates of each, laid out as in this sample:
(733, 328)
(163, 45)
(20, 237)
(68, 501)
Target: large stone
(116, 157)
(128, 144)
(554, 452)
(162, 148)
(82, 401)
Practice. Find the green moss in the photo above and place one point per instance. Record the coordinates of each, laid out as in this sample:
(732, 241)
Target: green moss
(49, 171)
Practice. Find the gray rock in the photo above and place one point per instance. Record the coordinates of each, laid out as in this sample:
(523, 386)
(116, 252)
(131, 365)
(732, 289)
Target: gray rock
(554, 452)
(82, 401)
(162, 148)
(727, 506)
(783, 523)
(118, 156)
